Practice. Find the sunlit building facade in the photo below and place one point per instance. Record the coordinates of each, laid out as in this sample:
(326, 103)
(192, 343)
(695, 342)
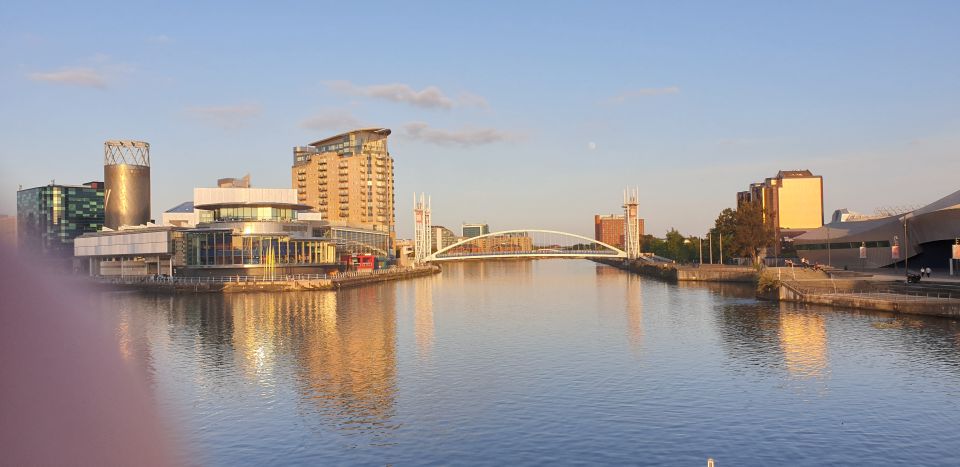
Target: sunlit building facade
(793, 199)
(255, 232)
(348, 178)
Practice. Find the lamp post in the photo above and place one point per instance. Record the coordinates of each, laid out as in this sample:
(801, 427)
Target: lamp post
(906, 244)
(710, 245)
(829, 261)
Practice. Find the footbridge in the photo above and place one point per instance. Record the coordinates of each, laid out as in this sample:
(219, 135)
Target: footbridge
(526, 243)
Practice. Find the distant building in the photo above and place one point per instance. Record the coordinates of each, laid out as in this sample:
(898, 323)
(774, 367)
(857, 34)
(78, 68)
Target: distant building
(8, 231)
(609, 229)
(349, 179)
(234, 182)
(612, 229)
(50, 217)
(442, 237)
(474, 230)
(793, 199)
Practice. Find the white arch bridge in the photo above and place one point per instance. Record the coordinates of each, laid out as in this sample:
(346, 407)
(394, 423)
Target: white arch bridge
(527, 243)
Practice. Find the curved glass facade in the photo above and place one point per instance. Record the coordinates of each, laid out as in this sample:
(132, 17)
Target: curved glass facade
(224, 248)
(253, 213)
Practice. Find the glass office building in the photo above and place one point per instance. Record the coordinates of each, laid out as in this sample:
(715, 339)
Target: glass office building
(50, 217)
(254, 232)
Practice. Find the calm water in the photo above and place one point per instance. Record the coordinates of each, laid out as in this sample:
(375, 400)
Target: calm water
(538, 362)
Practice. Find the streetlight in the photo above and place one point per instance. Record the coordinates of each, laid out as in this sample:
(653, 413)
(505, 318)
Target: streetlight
(700, 248)
(710, 244)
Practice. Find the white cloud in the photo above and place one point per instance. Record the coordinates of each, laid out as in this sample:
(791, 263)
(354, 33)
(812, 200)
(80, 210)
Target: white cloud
(463, 137)
(468, 99)
(333, 119)
(159, 39)
(591, 146)
(227, 116)
(643, 92)
(79, 76)
(428, 97)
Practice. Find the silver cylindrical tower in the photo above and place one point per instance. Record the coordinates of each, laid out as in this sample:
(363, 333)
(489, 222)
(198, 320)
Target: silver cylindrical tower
(126, 177)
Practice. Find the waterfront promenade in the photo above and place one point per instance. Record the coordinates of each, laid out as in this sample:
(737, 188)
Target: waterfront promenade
(282, 283)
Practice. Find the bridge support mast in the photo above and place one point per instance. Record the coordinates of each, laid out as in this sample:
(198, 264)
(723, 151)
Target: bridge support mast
(631, 223)
(422, 238)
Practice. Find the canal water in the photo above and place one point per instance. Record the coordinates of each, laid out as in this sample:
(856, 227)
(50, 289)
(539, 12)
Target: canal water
(542, 362)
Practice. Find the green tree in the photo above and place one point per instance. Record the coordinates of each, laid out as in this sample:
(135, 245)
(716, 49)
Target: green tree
(751, 233)
(722, 234)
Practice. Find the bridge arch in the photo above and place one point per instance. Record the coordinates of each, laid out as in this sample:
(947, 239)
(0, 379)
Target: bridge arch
(526, 243)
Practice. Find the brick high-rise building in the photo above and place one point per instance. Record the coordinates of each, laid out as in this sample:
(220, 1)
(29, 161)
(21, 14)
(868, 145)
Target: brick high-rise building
(610, 229)
(348, 178)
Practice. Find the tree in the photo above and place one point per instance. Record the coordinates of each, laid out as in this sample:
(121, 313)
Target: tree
(751, 233)
(723, 233)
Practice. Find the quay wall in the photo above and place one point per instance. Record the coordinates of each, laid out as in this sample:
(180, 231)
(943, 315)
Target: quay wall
(673, 273)
(846, 298)
(259, 285)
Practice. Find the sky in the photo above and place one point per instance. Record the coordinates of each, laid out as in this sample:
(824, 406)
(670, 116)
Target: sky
(517, 114)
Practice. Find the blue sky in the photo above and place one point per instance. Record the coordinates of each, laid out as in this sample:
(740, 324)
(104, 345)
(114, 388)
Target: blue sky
(519, 115)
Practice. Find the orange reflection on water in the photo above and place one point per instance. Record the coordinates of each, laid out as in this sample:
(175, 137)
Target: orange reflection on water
(803, 338)
(423, 316)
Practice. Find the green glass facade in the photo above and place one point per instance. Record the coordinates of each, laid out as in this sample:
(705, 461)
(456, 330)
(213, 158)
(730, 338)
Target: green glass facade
(50, 217)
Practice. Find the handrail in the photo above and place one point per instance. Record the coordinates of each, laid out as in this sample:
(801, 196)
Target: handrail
(180, 280)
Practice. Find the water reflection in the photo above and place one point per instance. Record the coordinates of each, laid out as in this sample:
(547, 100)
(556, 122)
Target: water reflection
(423, 316)
(634, 309)
(538, 360)
(803, 338)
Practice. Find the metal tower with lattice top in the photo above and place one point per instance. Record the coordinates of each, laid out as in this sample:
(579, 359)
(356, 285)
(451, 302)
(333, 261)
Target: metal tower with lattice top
(422, 238)
(631, 223)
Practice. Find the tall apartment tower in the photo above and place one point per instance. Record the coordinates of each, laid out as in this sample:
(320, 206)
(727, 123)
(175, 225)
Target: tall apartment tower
(348, 178)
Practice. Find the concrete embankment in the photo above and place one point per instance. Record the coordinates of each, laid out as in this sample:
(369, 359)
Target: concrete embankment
(858, 293)
(673, 273)
(251, 284)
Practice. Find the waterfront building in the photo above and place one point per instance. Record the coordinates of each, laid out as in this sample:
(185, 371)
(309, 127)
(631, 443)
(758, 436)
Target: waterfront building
(474, 230)
(930, 232)
(126, 177)
(50, 217)
(255, 232)
(791, 200)
(442, 237)
(8, 231)
(612, 229)
(144, 250)
(348, 178)
(609, 229)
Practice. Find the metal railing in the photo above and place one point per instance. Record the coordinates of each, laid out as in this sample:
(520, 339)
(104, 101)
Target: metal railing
(180, 280)
(875, 293)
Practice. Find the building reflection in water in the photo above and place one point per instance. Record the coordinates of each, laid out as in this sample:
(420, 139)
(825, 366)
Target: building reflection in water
(423, 314)
(349, 371)
(338, 349)
(610, 282)
(803, 338)
(634, 310)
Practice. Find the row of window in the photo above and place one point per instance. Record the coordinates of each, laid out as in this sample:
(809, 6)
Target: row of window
(223, 248)
(260, 213)
(843, 245)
